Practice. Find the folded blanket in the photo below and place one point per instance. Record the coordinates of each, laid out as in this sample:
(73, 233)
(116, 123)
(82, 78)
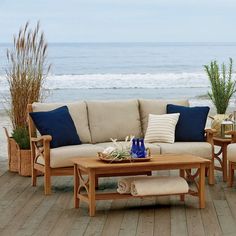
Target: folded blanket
(159, 185)
(124, 184)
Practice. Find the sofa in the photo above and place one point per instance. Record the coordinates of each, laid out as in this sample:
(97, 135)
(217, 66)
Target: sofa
(96, 123)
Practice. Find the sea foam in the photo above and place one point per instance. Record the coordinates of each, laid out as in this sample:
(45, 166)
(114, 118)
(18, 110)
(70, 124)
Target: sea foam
(116, 81)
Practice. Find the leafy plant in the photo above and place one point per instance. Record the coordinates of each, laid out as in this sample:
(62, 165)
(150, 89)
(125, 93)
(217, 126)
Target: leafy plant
(222, 85)
(26, 73)
(21, 136)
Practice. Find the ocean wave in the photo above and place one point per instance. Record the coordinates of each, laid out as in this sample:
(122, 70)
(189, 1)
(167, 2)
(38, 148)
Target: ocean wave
(123, 81)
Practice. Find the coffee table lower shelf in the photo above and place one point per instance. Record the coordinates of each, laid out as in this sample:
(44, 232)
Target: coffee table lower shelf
(85, 179)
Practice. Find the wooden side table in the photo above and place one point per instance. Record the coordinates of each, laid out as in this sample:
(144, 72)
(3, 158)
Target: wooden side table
(222, 143)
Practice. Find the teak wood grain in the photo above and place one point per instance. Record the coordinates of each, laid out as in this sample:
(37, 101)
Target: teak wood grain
(93, 166)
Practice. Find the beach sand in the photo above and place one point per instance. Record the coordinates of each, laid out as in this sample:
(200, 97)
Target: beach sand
(5, 122)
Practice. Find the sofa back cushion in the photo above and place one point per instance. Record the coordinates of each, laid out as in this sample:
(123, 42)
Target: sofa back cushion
(155, 107)
(57, 123)
(113, 119)
(191, 124)
(78, 112)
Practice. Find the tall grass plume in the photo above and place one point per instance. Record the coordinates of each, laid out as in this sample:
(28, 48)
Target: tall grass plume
(26, 72)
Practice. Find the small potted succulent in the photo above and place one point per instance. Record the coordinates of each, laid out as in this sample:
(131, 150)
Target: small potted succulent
(222, 90)
(25, 74)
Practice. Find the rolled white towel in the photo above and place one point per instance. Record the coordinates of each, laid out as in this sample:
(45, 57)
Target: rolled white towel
(124, 184)
(159, 185)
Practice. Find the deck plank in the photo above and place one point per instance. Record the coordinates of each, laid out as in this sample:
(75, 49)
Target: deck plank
(146, 217)
(209, 216)
(32, 213)
(114, 218)
(178, 217)
(130, 219)
(162, 225)
(226, 219)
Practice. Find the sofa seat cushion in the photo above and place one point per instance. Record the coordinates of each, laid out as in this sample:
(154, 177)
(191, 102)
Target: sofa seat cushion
(113, 119)
(202, 149)
(155, 107)
(154, 149)
(60, 157)
(231, 152)
(78, 112)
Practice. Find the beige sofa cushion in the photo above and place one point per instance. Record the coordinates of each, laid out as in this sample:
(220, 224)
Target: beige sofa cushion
(155, 107)
(231, 152)
(113, 119)
(78, 112)
(154, 149)
(61, 157)
(202, 149)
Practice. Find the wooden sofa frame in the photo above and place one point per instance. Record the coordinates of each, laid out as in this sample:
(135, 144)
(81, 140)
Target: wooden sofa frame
(40, 146)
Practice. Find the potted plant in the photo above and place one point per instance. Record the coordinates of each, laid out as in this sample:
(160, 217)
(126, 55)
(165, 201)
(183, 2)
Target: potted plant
(26, 73)
(222, 89)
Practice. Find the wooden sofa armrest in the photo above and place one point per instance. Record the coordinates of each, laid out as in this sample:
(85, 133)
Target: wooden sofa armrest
(43, 138)
(233, 135)
(209, 135)
(43, 150)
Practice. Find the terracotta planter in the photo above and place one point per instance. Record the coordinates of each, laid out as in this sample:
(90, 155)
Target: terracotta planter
(18, 160)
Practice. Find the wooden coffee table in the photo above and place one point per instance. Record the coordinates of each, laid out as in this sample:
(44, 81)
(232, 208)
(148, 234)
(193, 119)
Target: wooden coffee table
(92, 167)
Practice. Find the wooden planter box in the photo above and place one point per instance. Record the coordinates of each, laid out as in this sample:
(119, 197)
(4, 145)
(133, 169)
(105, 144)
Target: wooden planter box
(18, 160)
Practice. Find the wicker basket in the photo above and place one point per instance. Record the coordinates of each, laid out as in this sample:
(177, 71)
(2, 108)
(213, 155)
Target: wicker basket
(18, 160)
(109, 159)
(24, 162)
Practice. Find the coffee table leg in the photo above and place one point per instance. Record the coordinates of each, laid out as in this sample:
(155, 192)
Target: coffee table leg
(202, 186)
(76, 186)
(182, 174)
(91, 194)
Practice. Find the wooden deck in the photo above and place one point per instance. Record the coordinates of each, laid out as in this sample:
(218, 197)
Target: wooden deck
(24, 210)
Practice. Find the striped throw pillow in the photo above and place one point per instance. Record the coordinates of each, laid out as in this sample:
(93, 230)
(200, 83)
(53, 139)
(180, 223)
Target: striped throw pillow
(161, 128)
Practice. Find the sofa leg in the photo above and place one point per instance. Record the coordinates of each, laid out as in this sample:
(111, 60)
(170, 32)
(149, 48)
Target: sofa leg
(96, 182)
(231, 175)
(34, 177)
(47, 183)
(149, 173)
(211, 178)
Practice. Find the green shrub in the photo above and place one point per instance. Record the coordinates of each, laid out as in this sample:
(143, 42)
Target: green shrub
(21, 136)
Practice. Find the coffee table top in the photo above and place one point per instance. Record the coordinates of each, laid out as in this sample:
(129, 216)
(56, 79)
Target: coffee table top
(156, 160)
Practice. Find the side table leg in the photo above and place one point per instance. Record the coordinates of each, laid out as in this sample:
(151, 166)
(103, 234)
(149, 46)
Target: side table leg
(91, 194)
(202, 186)
(224, 162)
(182, 174)
(76, 186)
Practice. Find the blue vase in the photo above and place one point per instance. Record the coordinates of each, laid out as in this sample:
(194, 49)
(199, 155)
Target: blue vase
(134, 148)
(143, 152)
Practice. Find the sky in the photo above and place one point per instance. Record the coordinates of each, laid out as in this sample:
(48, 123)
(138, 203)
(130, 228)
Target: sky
(122, 20)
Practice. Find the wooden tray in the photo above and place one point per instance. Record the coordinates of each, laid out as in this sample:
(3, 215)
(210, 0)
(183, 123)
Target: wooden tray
(105, 158)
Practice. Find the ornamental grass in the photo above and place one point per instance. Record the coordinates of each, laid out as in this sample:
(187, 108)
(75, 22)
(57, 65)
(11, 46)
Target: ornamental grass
(26, 72)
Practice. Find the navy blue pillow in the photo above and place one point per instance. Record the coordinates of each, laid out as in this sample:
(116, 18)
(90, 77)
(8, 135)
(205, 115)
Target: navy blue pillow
(57, 123)
(191, 123)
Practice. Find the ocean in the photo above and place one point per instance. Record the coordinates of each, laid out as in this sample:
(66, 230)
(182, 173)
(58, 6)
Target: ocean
(128, 70)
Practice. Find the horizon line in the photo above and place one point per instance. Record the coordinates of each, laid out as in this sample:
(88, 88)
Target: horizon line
(134, 42)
